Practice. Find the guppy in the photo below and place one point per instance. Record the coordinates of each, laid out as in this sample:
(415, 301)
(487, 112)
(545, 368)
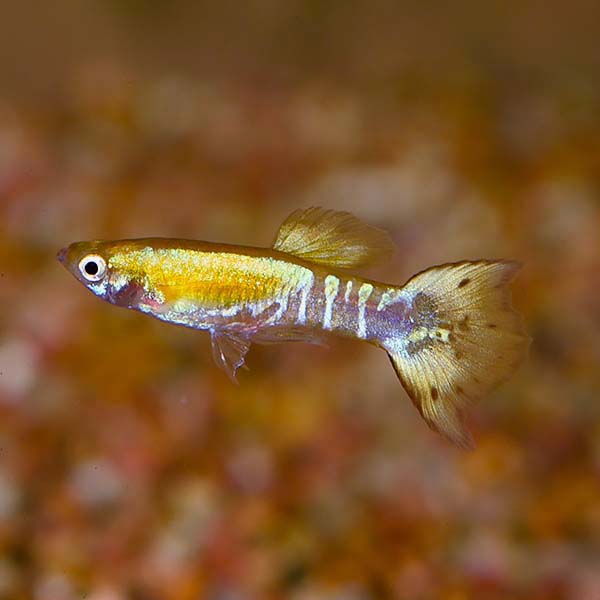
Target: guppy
(450, 331)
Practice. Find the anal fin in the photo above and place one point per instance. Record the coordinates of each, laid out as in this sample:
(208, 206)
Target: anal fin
(278, 334)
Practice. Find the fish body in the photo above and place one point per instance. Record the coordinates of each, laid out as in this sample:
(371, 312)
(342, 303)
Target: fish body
(239, 288)
(450, 331)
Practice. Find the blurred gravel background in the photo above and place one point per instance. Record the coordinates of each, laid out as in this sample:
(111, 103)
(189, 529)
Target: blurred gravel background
(129, 466)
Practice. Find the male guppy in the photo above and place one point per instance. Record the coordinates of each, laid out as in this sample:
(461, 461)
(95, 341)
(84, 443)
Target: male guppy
(450, 331)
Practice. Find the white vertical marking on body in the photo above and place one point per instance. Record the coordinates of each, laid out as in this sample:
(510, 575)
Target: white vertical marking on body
(390, 296)
(348, 291)
(364, 293)
(305, 287)
(332, 285)
(283, 304)
(189, 306)
(258, 307)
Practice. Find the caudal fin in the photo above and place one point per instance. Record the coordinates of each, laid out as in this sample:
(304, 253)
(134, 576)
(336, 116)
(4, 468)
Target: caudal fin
(461, 338)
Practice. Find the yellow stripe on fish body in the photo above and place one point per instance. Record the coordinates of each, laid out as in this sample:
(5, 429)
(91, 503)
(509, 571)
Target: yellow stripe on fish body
(214, 280)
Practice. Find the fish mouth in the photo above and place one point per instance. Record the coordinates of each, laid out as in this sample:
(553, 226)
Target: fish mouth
(61, 255)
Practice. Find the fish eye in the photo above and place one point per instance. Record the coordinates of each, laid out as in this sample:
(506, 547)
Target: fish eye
(92, 267)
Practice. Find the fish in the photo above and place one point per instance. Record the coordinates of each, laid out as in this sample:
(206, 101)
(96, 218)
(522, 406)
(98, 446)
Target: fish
(450, 331)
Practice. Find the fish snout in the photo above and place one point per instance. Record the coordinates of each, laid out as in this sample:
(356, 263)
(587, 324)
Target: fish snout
(62, 255)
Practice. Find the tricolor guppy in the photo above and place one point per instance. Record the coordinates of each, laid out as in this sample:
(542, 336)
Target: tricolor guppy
(450, 331)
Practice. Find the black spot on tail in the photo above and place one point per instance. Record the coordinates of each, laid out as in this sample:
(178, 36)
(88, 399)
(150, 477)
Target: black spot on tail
(464, 282)
(434, 394)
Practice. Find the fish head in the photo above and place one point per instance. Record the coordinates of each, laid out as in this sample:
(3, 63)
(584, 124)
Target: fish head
(92, 264)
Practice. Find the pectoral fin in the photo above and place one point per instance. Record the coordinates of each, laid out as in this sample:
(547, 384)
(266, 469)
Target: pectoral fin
(332, 238)
(229, 351)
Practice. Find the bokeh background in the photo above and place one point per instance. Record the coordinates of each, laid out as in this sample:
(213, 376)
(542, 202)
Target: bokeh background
(130, 467)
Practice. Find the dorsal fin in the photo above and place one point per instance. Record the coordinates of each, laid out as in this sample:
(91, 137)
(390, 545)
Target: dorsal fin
(335, 238)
